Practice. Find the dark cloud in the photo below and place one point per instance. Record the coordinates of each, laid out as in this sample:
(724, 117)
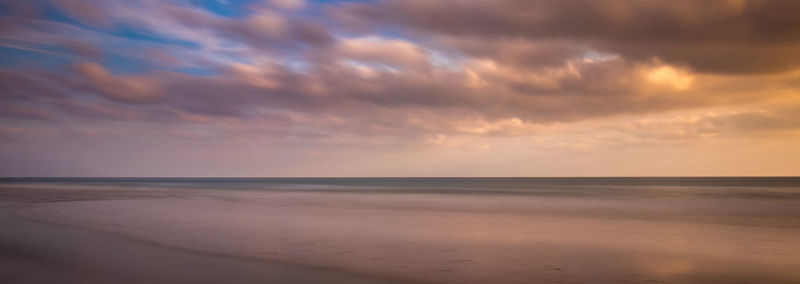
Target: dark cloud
(99, 111)
(22, 8)
(737, 36)
(27, 86)
(24, 112)
(463, 67)
(387, 102)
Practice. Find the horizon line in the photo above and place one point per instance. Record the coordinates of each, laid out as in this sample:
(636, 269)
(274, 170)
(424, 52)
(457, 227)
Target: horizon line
(386, 177)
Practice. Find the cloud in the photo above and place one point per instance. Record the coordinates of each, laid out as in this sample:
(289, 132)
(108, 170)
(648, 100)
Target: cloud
(755, 36)
(288, 4)
(393, 53)
(86, 11)
(24, 112)
(428, 71)
(99, 111)
(263, 28)
(267, 28)
(783, 118)
(97, 79)
(27, 135)
(27, 86)
(670, 76)
(83, 49)
(482, 97)
(520, 52)
(23, 8)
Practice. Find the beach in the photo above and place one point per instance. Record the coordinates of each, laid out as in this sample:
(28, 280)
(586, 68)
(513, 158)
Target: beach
(378, 233)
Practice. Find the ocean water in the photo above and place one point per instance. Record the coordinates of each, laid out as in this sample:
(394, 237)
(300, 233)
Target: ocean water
(688, 187)
(749, 201)
(455, 230)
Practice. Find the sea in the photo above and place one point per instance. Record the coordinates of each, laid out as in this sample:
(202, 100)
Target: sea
(454, 230)
(688, 187)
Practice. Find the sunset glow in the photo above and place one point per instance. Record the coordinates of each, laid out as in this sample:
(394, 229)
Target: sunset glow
(399, 88)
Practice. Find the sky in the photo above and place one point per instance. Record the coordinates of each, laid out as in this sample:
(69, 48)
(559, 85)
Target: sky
(205, 88)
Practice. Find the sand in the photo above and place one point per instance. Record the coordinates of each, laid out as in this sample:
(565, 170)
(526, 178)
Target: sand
(285, 237)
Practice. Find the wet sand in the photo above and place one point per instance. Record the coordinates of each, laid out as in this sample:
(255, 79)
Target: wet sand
(286, 237)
